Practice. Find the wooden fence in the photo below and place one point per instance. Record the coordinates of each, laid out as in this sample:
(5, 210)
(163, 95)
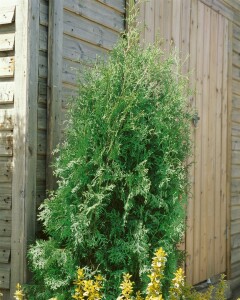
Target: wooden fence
(44, 44)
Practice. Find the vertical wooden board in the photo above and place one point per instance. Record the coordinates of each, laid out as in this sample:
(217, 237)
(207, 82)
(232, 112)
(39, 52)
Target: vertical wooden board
(6, 92)
(55, 71)
(6, 14)
(219, 184)
(224, 197)
(192, 83)
(6, 143)
(204, 144)
(211, 145)
(6, 66)
(198, 137)
(7, 42)
(230, 98)
(25, 138)
(185, 35)
(176, 25)
(167, 23)
(158, 18)
(149, 21)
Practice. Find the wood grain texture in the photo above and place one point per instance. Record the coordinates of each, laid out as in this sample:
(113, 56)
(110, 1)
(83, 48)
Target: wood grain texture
(96, 12)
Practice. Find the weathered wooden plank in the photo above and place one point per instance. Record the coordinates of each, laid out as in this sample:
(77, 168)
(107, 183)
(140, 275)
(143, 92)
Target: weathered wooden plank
(5, 171)
(6, 66)
(6, 92)
(236, 31)
(236, 157)
(7, 42)
(235, 87)
(68, 93)
(116, 4)
(6, 143)
(4, 256)
(5, 222)
(228, 142)
(235, 227)
(97, 13)
(236, 126)
(235, 171)
(236, 117)
(190, 208)
(42, 118)
(42, 142)
(235, 186)
(80, 51)
(198, 137)
(44, 13)
(4, 276)
(81, 28)
(235, 241)
(204, 147)
(7, 14)
(41, 169)
(235, 255)
(236, 59)
(54, 83)
(43, 64)
(5, 242)
(236, 73)
(5, 196)
(42, 91)
(236, 45)
(43, 38)
(70, 72)
(149, 21)
(235, 213)
(235, 143)
(235, 269)
(236, 101)
(235, 200)
(6, 119)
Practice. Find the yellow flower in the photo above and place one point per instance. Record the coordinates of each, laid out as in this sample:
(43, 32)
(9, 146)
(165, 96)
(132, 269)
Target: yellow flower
(127, 287)
(18, 295)
(177, 285)
(154, 291)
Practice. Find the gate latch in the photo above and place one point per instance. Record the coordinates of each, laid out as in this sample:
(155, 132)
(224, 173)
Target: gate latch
(195, 119)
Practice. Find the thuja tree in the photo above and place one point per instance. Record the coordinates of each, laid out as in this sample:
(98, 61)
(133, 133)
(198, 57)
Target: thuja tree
(122, 173)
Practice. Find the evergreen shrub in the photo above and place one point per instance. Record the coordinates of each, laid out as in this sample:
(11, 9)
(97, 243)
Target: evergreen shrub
(122, 172)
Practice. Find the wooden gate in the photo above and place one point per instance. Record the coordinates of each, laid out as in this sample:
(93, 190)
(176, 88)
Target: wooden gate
(200, 33)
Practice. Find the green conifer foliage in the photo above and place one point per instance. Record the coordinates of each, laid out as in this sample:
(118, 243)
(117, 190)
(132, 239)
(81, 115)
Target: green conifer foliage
(122, 174)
